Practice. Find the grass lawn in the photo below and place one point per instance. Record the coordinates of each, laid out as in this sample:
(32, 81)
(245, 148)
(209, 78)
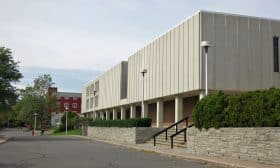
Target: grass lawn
(69, 132)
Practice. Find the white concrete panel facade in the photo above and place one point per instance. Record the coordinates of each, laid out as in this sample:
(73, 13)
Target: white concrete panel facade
(241, 59)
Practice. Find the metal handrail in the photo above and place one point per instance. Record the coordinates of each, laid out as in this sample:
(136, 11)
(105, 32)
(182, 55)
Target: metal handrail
(177, 133)
(166, 129)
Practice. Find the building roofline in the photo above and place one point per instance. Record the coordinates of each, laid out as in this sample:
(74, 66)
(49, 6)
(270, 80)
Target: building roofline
(240, 15)
(176, 25)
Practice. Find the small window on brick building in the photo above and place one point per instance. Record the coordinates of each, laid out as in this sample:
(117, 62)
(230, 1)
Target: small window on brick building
(74, 105)
(66, 105)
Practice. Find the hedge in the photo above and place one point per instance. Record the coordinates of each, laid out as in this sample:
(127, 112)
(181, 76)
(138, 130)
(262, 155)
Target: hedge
(143, 122)
(249, 109)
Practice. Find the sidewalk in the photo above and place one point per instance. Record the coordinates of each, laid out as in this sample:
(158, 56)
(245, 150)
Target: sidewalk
(182, 153)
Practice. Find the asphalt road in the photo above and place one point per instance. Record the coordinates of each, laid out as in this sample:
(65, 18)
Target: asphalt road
(24, 151)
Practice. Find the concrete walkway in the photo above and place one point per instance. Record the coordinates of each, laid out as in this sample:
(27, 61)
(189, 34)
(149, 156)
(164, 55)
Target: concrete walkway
(182, 153)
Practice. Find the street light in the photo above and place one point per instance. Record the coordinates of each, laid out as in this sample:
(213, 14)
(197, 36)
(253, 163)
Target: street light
(66, 117)
(93, 104)
(206, 45)
(35, 121)
(143, 71)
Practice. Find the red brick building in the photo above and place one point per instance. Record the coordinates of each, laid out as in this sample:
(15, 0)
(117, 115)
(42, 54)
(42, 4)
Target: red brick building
(60, 101)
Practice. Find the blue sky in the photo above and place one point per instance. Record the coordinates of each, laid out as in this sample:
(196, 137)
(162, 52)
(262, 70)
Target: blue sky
(76, 40)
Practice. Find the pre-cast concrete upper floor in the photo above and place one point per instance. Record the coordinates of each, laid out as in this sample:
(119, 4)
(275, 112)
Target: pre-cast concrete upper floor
(244, 56)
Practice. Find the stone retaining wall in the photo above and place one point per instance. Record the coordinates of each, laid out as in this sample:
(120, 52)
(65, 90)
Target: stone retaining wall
(262, 144)
(128, 135)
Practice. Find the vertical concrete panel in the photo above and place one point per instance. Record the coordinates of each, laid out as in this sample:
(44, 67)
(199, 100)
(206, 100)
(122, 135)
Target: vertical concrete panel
(136, 77)
(146, 66)
(220, 50)
(161, 64)
(164, 76)
(230, 56)
(153, 65)
(147, 76)
(129, 81)
(186, 56)
(168, 63)
(266, 54)
(191, 54)
(243, 53)
(255, 52)
(196, 45)
(156, 64)
(172, 62)
(140, 80)
(181, 59)
(176, 59)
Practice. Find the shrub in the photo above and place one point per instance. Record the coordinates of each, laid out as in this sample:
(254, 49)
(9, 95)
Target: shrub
(249, 109)
(211, 109)
(73, 120)
(143, 122)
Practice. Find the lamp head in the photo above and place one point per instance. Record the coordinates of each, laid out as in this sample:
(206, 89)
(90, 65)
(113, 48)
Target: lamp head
(205, 44)
(143, 71)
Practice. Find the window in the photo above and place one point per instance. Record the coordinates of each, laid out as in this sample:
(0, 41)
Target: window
(66, 105)
(74, 105)
(276, 53)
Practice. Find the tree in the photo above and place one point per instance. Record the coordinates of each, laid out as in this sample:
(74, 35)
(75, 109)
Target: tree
(73, 120)
(35, 99)
(9, 73)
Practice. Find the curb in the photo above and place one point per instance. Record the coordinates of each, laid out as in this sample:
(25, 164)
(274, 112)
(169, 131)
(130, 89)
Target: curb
(4, 140)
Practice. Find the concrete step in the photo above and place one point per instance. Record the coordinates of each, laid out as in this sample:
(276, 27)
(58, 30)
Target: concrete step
(179, 145)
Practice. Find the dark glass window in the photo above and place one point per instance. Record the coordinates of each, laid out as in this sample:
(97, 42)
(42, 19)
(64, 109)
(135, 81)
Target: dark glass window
(276, 53)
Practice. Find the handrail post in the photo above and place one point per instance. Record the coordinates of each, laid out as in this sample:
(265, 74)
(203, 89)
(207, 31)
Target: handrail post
(166, 135)
(185, 135)
(154, 141)
(171, 142)
(187, 122)
(176, 126)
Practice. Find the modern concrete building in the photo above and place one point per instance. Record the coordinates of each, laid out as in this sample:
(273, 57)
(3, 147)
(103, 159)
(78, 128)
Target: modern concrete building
(244, 56)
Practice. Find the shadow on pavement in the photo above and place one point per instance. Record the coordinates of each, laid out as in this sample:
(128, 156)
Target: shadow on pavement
(13, 165)
(44, 138)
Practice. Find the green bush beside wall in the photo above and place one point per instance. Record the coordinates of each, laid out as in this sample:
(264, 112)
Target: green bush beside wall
(143, 122)
(249, 109)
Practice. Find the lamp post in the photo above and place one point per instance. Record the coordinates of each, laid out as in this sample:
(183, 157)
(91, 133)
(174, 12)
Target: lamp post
(206, 45)
(93, 104)
(143, 72)
(66, 118)
(35, 121)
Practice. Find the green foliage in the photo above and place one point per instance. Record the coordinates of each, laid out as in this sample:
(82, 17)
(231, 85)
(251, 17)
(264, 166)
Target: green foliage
(8, 73)
(143, 122)
(211, 109)
(70, 132)
(249, 109)
(34, 99)
(73, 120)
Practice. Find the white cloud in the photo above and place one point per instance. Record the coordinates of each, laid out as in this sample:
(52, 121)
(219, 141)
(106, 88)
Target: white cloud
(64, 47)
(98, 34)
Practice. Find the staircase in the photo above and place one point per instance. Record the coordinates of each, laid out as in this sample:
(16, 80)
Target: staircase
(178, 140)
(173, 136)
